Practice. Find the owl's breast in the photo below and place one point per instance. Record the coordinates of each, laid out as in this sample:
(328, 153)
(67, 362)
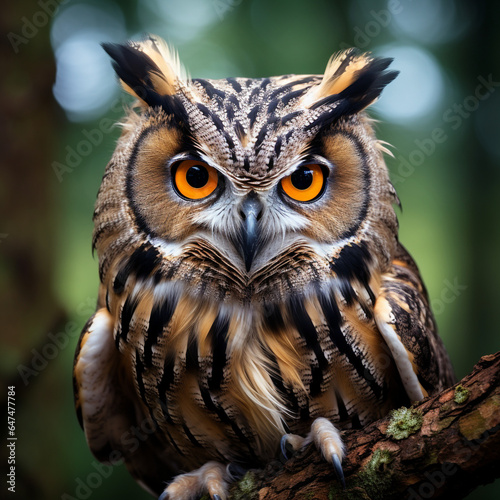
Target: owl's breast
(213, 270)
(197, 370)
(227, 380)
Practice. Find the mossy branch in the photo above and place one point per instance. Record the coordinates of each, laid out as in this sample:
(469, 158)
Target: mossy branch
(442, 447)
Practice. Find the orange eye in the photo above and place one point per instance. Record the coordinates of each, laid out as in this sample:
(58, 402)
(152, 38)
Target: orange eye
(305, 184)
(195, 179)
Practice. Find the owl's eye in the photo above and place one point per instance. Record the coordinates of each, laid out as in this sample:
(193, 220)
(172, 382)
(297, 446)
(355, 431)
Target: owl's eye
(305, 184)
(195, 179)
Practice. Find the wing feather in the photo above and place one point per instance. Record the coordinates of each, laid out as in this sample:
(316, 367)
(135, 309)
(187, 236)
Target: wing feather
(405, 320)
(114, 426)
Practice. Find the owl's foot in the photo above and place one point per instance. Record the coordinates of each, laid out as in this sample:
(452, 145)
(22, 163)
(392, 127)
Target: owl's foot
(327, 440)
(235, 471)
(212, 478)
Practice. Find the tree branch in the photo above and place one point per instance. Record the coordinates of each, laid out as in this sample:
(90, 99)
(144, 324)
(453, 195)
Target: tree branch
(445, 445)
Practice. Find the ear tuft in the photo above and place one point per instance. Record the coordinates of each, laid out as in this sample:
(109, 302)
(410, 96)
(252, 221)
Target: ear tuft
(354, 76)
(148, 70)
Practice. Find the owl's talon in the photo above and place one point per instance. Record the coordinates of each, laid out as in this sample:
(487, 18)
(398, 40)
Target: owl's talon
(211, 478)
(235, 471)
(327, 440)
(290, 444)
(338, 469)
(283, 445)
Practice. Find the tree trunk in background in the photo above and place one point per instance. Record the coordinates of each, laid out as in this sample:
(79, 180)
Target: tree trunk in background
(29, 309)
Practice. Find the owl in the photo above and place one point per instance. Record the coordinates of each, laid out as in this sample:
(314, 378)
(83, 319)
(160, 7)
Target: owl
(253, 295)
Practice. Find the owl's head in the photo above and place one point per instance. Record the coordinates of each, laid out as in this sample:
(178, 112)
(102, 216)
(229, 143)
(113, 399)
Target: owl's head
(249, 187)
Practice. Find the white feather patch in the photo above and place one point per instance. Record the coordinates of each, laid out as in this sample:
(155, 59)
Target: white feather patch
(94, 372)
(411, 384)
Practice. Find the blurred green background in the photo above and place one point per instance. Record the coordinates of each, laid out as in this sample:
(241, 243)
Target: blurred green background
(59, 93)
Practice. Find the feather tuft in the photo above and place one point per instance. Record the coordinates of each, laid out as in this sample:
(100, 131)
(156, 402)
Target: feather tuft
(384, 146)
(149, 70)
(351, 75)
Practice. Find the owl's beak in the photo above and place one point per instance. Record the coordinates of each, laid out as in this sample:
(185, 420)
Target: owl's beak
(250, 212)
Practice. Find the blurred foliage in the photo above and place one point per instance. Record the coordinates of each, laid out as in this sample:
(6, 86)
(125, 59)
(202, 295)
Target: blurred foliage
(448, 181)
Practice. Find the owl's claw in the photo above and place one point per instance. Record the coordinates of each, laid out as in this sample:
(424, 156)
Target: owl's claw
(212, 478)
(338, 469)
(290, 443)
(283, 446)
(166, 496)
(327, 440)
(235, 471)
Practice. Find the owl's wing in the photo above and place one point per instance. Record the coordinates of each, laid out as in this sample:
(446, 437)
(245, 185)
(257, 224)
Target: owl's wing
(405, 320)
(115, 428)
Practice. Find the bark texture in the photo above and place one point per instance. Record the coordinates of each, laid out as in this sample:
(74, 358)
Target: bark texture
(442, 447)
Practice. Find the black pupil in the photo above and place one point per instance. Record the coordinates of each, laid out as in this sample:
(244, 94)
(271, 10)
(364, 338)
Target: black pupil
(197, 176)
(302, 178)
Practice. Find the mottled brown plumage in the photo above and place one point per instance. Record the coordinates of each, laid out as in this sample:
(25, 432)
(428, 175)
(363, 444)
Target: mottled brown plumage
(252, 283)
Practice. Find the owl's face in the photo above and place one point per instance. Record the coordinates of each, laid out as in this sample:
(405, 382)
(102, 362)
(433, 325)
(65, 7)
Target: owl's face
(251, 187)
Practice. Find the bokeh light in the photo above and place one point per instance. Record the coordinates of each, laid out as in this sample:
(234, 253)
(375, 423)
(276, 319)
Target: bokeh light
(417, 91)
(486, 125)
(176, 20)
(433, 21)
(85, 84)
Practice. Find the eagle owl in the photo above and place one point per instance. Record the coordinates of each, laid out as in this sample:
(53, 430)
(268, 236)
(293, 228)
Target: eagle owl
(253, 292)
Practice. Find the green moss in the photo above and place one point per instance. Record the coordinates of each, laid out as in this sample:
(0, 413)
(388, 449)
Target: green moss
(461, 394)
(246, 488)
(373, 482)
(472, 425)
(404, 422)
(481, 420)
(444, 423)
(380, 459)
(432, 458)
(446, 407)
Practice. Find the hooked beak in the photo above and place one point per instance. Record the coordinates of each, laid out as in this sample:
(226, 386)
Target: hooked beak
(250, 212)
